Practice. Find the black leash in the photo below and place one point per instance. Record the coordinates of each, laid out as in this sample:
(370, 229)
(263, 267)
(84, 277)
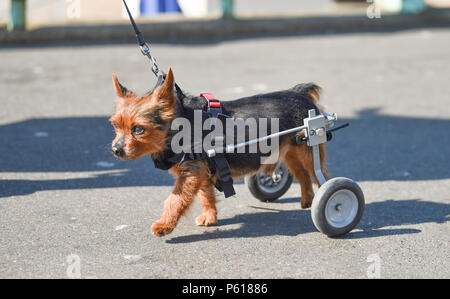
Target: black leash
(145, 48)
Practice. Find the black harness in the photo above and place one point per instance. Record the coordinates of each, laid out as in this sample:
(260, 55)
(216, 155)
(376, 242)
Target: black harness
(217, 164)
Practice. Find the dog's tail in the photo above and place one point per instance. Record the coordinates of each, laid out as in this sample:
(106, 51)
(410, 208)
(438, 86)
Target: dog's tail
(311, 90)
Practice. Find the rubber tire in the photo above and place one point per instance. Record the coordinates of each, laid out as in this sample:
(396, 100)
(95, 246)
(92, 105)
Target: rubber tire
(320, 201)
(253, 186)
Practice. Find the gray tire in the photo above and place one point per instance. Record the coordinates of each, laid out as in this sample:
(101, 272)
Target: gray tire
(265, 189)
(337, 206)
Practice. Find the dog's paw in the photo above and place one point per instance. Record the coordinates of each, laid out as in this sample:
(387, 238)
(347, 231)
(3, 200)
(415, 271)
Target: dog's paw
(206, 219)
(305, 204)
(161, 229)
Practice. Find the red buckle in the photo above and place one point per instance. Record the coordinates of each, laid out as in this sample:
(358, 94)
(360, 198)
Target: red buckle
(212, 102)
(207, 96)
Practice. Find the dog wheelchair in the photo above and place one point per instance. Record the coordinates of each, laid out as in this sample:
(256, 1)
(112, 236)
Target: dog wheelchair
(338, 205)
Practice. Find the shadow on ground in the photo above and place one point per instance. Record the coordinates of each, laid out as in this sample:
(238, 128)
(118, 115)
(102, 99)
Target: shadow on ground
(375, 147)
(66, 145)
(377, 216)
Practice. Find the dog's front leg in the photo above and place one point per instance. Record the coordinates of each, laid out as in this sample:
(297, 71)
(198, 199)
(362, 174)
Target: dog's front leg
(176, 204)
(208, 200)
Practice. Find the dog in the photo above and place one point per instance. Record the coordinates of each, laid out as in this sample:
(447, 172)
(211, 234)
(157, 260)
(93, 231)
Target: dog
(142, 125)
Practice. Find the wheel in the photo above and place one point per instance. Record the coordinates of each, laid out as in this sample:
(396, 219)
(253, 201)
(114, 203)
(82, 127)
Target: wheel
(337, 207)
(272, 187)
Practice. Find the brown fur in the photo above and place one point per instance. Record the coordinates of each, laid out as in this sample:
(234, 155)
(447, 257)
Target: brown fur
(193, 178)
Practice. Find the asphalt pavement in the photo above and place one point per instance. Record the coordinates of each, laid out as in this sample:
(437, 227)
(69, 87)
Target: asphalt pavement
(64, 199)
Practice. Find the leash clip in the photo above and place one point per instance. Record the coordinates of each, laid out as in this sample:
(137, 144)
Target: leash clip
(145, 49)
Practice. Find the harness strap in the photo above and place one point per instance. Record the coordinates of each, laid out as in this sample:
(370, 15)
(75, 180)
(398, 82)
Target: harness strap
(219, 163)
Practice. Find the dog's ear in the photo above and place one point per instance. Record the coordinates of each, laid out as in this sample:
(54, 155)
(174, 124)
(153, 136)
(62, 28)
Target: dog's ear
(121, 90)
(167, 93)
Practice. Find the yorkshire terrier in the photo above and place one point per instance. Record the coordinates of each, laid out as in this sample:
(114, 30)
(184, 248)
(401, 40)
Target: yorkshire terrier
(143, 127)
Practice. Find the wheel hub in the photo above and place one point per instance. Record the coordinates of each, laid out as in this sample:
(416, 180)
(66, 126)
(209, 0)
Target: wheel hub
(341, 208)
(274, 182)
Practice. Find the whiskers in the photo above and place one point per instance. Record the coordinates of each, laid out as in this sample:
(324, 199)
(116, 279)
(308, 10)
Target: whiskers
(104, 147)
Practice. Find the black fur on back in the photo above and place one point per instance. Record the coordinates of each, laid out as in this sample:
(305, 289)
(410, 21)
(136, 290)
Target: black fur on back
(289, 106)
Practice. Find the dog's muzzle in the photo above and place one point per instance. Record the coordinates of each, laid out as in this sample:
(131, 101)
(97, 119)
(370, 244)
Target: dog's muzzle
(117, 148)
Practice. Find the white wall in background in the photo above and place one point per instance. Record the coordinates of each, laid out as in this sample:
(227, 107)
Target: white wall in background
(54, 12)
(438, 3)
(200, 8)
(4, 11)
(279, 7)
(43, 11)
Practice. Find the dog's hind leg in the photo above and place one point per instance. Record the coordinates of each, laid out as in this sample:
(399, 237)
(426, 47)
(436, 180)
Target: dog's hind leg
(300, 163)
(295, 165)
(208, 201)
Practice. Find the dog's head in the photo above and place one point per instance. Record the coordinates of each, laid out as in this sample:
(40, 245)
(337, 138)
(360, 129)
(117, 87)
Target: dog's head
(141, 123)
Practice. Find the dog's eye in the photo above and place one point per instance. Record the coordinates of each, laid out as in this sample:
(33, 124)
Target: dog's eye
(137, 130)
(115, 125)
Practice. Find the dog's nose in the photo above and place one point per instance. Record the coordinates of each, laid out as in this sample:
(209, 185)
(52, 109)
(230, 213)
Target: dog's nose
(117, 151)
